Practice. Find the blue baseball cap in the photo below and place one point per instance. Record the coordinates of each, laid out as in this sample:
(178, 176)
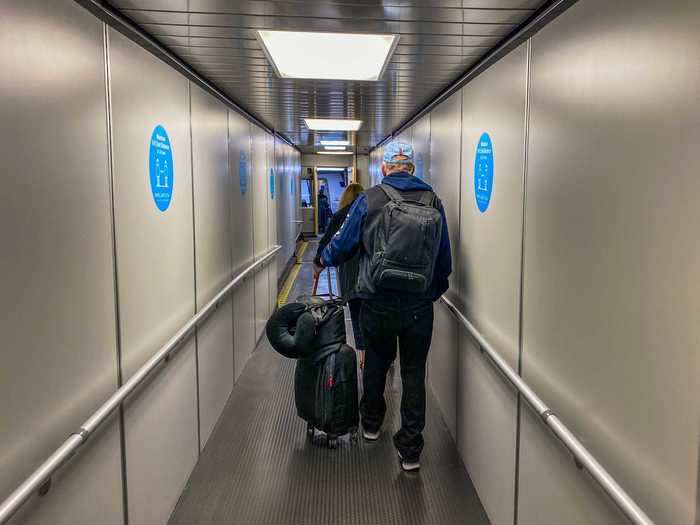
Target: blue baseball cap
(396, 148)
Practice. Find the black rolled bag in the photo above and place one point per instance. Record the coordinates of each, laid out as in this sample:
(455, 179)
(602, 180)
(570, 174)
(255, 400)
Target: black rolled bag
(291, 330)
(307, 328)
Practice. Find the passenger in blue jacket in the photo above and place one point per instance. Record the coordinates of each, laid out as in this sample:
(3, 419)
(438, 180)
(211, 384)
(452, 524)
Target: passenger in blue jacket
(394, 312)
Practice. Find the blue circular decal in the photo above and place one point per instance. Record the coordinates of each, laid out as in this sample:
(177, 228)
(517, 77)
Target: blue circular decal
(272, 183)
(160, 163)
(243, 172)
(419, 166)
(483, 172)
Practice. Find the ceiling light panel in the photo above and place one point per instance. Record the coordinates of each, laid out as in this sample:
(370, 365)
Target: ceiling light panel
(317, 124)
(335, 143)
(414, 74)
(335, 152)
(332, 56)
(334, 148)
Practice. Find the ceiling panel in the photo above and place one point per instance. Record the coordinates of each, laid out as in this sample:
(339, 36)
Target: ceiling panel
(439, 40)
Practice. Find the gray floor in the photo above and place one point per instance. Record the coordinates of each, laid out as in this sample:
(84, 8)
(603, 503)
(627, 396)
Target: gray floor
(259, 468)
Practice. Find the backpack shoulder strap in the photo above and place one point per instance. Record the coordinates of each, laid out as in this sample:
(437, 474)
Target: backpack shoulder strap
(392, 193)
(428, 199)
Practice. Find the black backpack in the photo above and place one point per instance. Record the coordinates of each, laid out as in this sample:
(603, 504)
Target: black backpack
(406, 242)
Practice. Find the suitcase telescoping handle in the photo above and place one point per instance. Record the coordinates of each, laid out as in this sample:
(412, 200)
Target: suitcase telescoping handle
(330, 284)
(314, 288)
(317, 277)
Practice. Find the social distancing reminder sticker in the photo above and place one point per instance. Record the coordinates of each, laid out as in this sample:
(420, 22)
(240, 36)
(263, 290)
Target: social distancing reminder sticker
(483, 172)
(162, 175)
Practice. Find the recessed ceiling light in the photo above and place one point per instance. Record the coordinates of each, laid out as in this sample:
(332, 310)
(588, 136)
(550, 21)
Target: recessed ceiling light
(336, 148)
(335, 143)
(335, 152)
(318, 124)
(334, 56)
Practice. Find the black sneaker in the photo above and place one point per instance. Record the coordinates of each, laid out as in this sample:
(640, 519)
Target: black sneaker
(408, 466)
(370, 436)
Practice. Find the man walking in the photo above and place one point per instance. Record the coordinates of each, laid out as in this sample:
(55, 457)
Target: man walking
(399, 227)
(324, 210)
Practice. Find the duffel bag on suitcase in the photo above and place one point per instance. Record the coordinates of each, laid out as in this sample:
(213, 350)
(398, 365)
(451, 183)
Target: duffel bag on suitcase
(307, 326)
(325, 391)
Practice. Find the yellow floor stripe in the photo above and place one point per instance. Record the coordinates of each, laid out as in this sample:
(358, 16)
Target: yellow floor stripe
(304, 245)
(283, 296)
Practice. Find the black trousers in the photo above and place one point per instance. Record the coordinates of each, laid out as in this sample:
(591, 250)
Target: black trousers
(355, 310)
(383, 323)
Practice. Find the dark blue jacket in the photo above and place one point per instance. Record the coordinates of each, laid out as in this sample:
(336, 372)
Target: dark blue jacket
(347, 241)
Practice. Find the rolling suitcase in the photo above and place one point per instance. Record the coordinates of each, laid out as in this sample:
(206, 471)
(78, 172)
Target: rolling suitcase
(325, 383)
(325, 392)
(312, 331)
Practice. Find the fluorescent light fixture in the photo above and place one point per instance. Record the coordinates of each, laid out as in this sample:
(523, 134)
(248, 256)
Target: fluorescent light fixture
(331, 169)
(333, 56)
(335, 143)
(336, 148)
(335, 152)
(329, 124)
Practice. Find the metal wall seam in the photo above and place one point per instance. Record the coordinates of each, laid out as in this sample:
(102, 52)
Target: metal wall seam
(230, 240)
(251, 179)
(194, 275)
(270, 173)
(526, 145)
(113, 233)
(697, 490)
(459, 237)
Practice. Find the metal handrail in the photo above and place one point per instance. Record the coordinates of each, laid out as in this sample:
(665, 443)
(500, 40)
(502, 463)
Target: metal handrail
(43, 473)
(582, 456)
